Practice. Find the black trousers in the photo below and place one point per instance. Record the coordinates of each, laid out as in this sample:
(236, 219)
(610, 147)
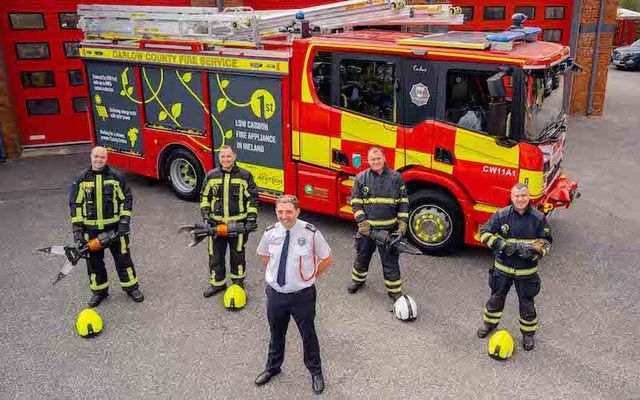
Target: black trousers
(280, 308)
(527, 287)
(365, 247)
(98, 281)
(217, 254)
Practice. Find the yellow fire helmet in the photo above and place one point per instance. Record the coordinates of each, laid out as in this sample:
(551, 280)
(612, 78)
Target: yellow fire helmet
(89, 323)
(501, 345)
(235, 297)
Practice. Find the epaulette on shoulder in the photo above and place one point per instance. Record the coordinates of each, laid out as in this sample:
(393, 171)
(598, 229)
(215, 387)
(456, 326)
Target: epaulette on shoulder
(270, 228)
(310, 227)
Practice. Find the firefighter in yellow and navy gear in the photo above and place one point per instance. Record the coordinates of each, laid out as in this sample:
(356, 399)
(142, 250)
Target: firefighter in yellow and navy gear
(100, 200)
(379, 201)
(519, 236)
(229, 193)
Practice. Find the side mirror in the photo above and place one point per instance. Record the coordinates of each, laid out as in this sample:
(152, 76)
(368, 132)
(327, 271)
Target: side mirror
(498, 114)
(496, 85)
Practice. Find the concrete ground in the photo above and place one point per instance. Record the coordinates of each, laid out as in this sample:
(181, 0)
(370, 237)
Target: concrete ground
(179, 345)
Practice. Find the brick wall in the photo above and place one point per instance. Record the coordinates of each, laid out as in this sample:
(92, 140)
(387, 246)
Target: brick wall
(8, 124)
(584, 56)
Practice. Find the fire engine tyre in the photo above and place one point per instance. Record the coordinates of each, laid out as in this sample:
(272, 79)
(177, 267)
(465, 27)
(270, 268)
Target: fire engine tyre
(436, 223)
(185, 174)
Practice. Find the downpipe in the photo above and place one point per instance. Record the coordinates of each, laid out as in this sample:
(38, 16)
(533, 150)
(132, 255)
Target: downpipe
(594, 60)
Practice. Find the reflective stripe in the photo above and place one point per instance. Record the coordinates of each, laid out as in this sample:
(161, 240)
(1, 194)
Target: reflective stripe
(101, 224)
(392, 283)
(486, 236)
(225, 195)
(123, 245)
(132, 279)
(525, 328)
(396, 290)
(240, 181)
(358, 273)
(525, 322)
(380, 200)
(78, 217)
(252, 210)
(240, 242)
(494, 321)
(374, 222)
(125, 213)
(94, 286)
(356, 201)
(404, 200)
(217, 283)
(241, 273)
(358, 213)
(513, 271)
(233, 218)
(403, 215)
(210, 246)
(100, 219)
(514, 240)
(496, 314)
(356, 278)
(240, 201)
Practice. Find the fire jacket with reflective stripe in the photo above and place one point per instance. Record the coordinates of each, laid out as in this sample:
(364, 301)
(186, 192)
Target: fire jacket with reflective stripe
(380, 199)
(229, 196)
(509, 225)
(99, 199)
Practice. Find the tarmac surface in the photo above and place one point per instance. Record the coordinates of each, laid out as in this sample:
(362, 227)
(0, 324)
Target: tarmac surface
(179, 345)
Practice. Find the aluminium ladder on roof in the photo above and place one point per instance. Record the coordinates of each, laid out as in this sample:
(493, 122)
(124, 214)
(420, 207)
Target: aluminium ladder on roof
(242, 24)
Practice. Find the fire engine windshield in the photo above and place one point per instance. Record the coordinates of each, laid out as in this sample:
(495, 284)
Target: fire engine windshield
(545, 114)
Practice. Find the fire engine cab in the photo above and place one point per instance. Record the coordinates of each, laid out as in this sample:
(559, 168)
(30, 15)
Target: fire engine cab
(462, 115)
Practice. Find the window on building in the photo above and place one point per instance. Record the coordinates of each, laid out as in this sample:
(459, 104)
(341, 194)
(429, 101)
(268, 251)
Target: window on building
(72, 49)
(494, 13)
(368, 87)
(467, 11)
(467, 99)
(37, 79)
(43, 107)
(322, 76)
(75, 77)
(20, 21)
(552, 35)
(529, 11)
(554, 12)
(68, 20)
(32, 51)
(79, 104)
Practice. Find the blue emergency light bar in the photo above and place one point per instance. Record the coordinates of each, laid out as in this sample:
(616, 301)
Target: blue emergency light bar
(527, 34)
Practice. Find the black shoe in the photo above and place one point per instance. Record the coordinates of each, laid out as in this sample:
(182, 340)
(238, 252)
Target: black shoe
(213, 290)
(317, 383)
(484, 330)
(136, 295)
(265, 377)
(354, 287)
(96, 299)
(394, 296)
(528, 342)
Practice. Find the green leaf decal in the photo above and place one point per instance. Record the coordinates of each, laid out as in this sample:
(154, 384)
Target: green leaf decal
(130, 90)
(122, 92)
(228, 134)
(186, 77)
(162, 116)
(222, 104)
(176, 110)
(224, 83)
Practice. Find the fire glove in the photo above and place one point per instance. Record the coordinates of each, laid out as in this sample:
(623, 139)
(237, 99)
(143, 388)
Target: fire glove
(123, 226)
(541, 246)
(526, 251)
(402, 228)
(505, 247)
(250, 225)
(364, 228)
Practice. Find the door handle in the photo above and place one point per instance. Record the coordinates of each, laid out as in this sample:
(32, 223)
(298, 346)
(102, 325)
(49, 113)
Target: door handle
(443, 156)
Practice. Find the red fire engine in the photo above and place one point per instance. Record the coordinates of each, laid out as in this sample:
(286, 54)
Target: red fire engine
(463, 115)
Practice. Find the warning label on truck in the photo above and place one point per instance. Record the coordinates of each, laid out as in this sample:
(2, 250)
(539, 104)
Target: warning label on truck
(246, 113)
(115, 107)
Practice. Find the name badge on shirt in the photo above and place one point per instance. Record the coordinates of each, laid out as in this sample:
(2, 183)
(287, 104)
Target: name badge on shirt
(302, 241)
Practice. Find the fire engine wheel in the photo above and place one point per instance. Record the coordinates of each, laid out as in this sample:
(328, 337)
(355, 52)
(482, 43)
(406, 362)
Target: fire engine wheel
(184, 174)
(436, 223)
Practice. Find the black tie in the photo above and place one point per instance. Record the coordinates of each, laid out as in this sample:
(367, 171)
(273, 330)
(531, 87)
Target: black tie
(282, 267)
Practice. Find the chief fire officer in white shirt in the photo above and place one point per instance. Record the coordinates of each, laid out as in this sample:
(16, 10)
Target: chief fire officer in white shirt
(294, 253)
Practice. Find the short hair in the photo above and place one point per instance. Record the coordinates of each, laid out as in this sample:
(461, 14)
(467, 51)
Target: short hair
(227, 147)
(375, 150)
(288, 198)
(519, 186)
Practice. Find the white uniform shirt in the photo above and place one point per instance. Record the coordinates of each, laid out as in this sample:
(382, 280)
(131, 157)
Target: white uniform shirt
(306, 249)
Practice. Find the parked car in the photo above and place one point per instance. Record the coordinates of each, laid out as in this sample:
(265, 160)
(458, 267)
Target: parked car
(627, 56)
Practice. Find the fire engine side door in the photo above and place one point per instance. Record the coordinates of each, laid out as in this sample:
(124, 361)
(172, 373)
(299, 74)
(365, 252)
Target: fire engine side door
(419, 92)
(366, 91)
